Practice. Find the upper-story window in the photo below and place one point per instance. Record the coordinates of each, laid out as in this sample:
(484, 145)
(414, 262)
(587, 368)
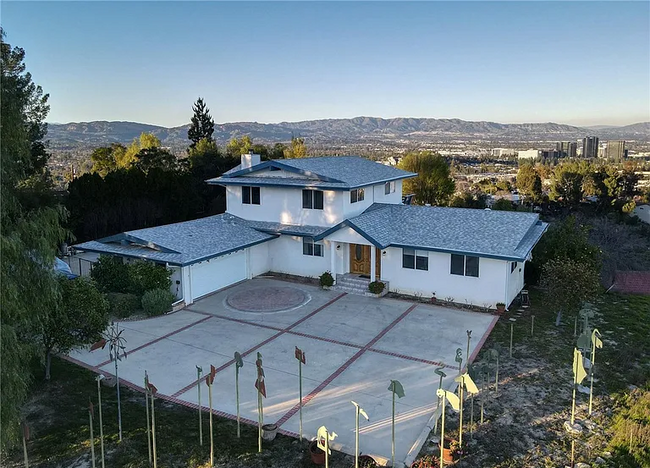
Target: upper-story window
(513, 266)
(464, 265)
(250, 195)
(312, 199)
(357, 195)
(389, 187)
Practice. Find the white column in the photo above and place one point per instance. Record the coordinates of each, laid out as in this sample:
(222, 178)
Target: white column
(373, 262)
(333, 258)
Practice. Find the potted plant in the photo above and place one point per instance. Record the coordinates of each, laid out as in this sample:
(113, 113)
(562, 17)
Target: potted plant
(376, 287)
(366, 461)
(501, 308)
(316, 454)
(326, 280)
(457, 450)
(269, 431)
(447, 450)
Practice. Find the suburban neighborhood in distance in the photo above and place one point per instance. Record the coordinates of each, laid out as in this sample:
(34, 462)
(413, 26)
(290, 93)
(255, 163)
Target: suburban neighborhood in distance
(290, 280)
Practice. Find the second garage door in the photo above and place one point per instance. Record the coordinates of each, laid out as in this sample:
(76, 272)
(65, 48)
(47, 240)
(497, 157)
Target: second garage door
(217, 273)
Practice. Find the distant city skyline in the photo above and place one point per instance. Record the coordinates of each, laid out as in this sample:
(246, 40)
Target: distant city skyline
(507, 62)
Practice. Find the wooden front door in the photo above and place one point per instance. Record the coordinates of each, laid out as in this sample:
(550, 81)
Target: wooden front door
(360, 259)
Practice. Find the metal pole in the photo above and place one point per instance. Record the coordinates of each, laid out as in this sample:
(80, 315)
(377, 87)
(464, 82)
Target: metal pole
(153, 430)
(442, 431)
(237, 398)
(92, 439)
(146, 404)
(119, 405)
(591, 371)
(575, 327)
(198, 386)
(573, 404)
(469, 337)
(471, 416)
(101, 424)
(460, 427)
(392, 452)
(259, 422)
(211, 433)
(496, 378)
(356, 438)
(327, 449)
(511, 330)
(300, 395)
(532, 325)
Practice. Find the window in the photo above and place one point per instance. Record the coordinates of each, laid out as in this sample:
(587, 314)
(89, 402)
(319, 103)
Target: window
(357, 195)
(389, 188)
(464, 265)
(415, 259)
(312, 199)
(250, 195)
(513, 266)
(309, 247)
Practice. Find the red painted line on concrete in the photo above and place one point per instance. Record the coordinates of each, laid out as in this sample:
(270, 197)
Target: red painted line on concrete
(345, 365)
(412, 358)
(128, 353)
(327, 340)
(258, 346)
(483, 339)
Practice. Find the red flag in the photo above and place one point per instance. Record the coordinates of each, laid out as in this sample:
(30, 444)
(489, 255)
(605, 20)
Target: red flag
(261, 387)
(100, 344)
(213, 371)
(300, 355)
(152, 388)
(25, 431)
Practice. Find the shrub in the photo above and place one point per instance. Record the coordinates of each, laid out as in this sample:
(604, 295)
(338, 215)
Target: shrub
(145, 276)
(123, 305)
(376, 287)
(326, 279)
(157, 301)
(110, 274)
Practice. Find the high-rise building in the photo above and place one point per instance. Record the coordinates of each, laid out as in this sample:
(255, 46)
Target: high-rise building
(590, 147)
(615, 150)
(567, 149)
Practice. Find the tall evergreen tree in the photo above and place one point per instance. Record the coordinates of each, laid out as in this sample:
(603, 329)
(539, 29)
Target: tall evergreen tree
(29, 235)
(202, 126)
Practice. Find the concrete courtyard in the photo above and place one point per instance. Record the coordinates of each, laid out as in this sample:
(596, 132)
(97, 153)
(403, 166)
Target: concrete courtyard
(353, 345)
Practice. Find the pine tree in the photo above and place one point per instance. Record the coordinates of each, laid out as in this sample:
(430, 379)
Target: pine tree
(202, 126)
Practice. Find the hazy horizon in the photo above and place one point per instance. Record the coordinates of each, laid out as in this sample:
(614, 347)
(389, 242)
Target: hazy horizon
(575, 63)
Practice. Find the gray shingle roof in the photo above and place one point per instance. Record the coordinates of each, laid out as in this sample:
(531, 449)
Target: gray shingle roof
(182, 243)
(497, 234)
(337, 172)
(287, 229)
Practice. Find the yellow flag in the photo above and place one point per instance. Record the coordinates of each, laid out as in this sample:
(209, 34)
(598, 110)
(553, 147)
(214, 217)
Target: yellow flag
(596, 339)
(453, 400)
(578, 367)
(470, 385)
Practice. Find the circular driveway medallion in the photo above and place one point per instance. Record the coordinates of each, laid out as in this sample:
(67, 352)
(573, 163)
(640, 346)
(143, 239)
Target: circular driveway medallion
(267, 299)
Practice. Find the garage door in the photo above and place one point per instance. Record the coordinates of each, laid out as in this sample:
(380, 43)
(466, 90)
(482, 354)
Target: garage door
(218, 273)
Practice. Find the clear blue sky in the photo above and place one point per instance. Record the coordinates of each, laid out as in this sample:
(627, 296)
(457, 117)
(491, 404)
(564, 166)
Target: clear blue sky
(582, 63)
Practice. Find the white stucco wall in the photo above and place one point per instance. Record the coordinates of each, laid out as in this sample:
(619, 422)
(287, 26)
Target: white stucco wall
(515, 281)
(488, 289)
(286, 256)
(258, 259)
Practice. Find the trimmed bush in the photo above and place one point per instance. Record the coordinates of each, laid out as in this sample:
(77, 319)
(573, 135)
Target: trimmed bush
(157, 301)
(111, 274)
(123, 305)
(326, 280)
(145, 276)
(376, 287)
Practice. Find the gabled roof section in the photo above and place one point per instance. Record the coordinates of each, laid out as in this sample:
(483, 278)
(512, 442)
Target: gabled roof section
(182, 243)
(503, 235)
(334, 173)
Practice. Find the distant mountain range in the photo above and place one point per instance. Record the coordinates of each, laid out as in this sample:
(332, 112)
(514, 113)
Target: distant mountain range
(356, 130)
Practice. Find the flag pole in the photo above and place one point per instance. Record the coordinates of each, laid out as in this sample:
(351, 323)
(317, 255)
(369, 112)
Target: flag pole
(92, 439)
(198, 387)
(146, 404)
(442, 430)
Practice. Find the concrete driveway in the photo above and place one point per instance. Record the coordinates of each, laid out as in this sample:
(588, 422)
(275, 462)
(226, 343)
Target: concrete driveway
(354, 346)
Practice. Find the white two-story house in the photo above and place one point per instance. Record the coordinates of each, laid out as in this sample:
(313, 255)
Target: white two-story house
(343, 215)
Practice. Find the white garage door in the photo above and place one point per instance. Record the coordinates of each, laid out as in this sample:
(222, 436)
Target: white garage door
(218, 273)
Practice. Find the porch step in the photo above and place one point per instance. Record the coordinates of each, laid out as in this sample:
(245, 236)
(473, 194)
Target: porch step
(352, 284)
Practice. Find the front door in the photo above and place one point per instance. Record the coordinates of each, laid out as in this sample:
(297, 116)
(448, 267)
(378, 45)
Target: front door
(360, 259)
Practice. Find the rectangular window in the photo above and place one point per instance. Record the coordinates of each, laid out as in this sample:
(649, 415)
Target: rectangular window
(464, 265)
(513, 266)
(250, 195)
(415, 259)
(312, 199)
(471, 266)
(389, 188)
(357, 195)
(311, 248)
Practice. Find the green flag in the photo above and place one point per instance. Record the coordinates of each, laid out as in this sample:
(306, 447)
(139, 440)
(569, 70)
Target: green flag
(578, 367)
(396, 386)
